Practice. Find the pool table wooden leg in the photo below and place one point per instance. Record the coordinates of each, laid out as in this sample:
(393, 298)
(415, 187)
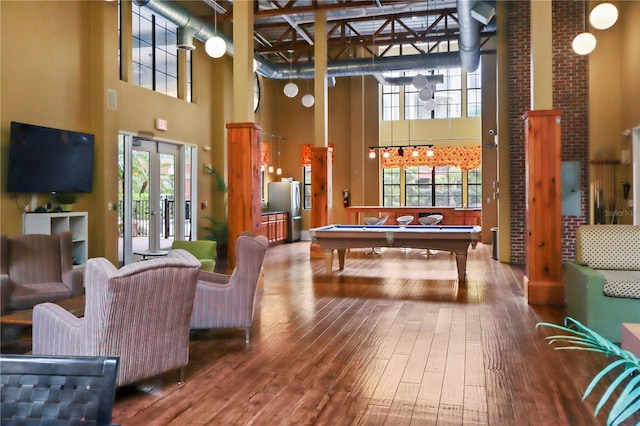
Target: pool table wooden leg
(341, 255)
(461, 262)
(328, 261)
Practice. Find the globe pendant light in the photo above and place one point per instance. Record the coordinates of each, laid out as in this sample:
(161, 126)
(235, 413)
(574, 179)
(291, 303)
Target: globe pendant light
(603, 16)
(584, 43)
(419, 81)
(215, 47)
(308, 100)
(290, 89)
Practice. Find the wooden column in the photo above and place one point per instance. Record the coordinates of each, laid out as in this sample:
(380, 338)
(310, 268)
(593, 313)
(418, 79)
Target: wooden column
(543, 278)
(243, 213)
(321, 192)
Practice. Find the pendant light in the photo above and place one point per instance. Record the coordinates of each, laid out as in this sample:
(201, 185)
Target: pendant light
(585, 42)
(308, 100)
(215, 47)
(290, 89)
(603, 16)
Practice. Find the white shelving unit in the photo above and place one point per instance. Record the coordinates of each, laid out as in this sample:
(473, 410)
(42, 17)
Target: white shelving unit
(55, 223)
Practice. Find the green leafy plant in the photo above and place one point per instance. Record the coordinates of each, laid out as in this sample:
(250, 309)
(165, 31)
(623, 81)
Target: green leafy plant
(66, 198)
(217, 229)
(624, 369)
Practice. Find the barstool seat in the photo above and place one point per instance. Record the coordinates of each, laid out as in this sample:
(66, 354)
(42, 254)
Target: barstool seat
(432, 219)
(404, 220)
(373, 220)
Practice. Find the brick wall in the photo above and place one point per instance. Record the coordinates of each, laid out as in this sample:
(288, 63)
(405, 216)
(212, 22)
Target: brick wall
(570, 94)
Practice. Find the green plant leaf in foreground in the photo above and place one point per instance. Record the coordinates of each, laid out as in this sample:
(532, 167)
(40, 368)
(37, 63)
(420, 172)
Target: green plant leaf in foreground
(624, 369)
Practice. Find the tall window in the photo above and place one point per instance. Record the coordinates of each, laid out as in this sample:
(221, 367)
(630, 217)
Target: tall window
(448, 186)
(474, 92)
(474, 187)
(390, 102)
(306, 186)
(419, 186)
(448, 95)
(391, 187)
(155, 53)
(428, 187)
(413, 106)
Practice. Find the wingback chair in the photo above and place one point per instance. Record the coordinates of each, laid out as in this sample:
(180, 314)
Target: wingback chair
(140, 313)
(36, 268)
(227, 301)
(203, 250)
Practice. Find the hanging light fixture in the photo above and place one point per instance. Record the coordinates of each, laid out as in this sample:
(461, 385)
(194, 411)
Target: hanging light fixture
(419, 81)
(401, 152)
(603, 16)
(585, 42)
(215, 46)
(308, 100)
(270, 168)
(430, 152)
(279, 169)
(372, 153)
(290, 89)
(415, 152)
(386, 153)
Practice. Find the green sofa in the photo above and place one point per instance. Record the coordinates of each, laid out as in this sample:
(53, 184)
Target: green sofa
(602, 285)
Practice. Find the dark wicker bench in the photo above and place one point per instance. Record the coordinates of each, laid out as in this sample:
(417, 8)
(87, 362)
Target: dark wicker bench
(57, 390)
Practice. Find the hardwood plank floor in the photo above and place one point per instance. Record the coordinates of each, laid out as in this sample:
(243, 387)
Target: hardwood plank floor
(391, 340)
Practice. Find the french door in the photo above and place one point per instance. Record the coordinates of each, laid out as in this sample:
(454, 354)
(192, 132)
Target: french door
(156, 190)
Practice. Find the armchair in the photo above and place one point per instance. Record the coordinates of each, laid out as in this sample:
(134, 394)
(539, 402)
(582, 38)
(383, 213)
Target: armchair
(140, 313)
(36, 268)
(227, 301)
(57, 390)
(203, 250)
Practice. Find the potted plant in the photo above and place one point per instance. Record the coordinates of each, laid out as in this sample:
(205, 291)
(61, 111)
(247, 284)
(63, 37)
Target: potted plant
(66, 200)
(217, 230)
(623, 368)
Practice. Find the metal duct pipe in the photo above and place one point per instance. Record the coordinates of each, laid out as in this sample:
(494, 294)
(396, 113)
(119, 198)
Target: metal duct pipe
(469, 42)
(337, 68)
(361, 66)
(406, 81)
(180, 16)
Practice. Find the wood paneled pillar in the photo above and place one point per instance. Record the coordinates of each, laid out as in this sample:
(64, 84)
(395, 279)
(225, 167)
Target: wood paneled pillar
(243, 213)
(543, 280)
(321, 191)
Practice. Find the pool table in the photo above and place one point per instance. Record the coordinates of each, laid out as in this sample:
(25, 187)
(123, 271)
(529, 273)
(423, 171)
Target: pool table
(456, 239)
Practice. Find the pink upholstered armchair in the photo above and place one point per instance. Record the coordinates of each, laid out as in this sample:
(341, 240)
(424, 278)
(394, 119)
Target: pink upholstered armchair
(227, 301)
(140, 313)
(36, 268)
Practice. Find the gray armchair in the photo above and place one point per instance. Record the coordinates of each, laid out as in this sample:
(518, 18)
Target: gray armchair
(227, 301)
(36, 268)
(140, 313)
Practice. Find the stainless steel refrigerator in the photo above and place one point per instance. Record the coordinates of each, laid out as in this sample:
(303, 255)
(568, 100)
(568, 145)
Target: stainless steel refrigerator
(285, 196)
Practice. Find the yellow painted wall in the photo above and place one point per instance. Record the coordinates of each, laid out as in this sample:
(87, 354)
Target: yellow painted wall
(614, 93)
(58, 60)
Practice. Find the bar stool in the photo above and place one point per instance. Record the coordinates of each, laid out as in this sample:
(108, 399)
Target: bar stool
(373, 220)
(404, 220)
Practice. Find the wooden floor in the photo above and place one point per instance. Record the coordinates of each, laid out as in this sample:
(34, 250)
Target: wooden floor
(391, 340)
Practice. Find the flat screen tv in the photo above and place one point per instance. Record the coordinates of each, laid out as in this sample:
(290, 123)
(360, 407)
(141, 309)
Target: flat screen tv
(43, 159)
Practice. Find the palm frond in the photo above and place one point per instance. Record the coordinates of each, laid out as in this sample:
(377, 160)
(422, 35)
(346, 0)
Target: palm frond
(624, 369)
